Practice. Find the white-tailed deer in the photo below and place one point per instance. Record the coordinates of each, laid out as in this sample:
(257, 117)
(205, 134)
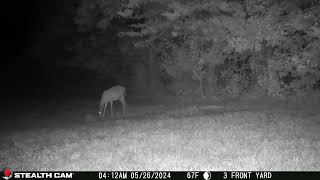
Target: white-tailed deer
(113, 94)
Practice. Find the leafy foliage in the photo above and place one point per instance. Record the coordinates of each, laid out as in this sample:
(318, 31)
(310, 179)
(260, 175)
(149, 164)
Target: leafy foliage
(269, 45)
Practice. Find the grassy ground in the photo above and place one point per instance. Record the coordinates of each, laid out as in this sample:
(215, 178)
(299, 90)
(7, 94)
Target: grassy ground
(251, 135)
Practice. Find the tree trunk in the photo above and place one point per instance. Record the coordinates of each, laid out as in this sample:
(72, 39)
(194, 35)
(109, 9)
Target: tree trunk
(151, 71)
(201, 87)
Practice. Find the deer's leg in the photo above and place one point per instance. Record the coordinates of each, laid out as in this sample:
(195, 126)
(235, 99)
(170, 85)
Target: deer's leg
(101, 113)
(101, 110)
(111, 109)
(123, 105)
(104, 109)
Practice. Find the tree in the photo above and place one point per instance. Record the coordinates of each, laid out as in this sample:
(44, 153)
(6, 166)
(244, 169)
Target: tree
(248, 34)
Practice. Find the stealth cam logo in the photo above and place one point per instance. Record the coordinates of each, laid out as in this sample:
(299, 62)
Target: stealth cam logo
(7, 173)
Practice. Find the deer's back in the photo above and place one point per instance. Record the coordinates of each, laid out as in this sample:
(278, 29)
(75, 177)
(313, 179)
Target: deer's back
(113, 93)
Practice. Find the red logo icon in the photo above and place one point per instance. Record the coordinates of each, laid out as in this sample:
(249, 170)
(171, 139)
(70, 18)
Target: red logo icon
(7, 173)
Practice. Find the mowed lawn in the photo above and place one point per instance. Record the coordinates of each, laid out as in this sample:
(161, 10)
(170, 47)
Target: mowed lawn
(202, 137)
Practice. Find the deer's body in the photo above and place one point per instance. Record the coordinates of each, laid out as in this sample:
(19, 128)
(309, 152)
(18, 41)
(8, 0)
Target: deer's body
(113, 94)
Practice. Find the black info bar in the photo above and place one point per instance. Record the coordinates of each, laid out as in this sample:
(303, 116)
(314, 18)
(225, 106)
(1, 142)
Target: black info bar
(165, 175)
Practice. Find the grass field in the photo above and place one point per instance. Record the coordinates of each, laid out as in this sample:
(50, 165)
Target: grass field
(223, 136)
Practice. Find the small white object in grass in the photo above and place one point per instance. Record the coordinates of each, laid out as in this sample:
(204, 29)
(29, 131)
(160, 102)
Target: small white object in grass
(207, 175)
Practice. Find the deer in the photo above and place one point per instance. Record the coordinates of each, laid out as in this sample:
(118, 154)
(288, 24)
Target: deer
(109, 96)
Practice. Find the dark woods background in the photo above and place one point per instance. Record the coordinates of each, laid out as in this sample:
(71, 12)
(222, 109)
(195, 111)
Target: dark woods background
(201, 74)
(35, 35)
(218, 48)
